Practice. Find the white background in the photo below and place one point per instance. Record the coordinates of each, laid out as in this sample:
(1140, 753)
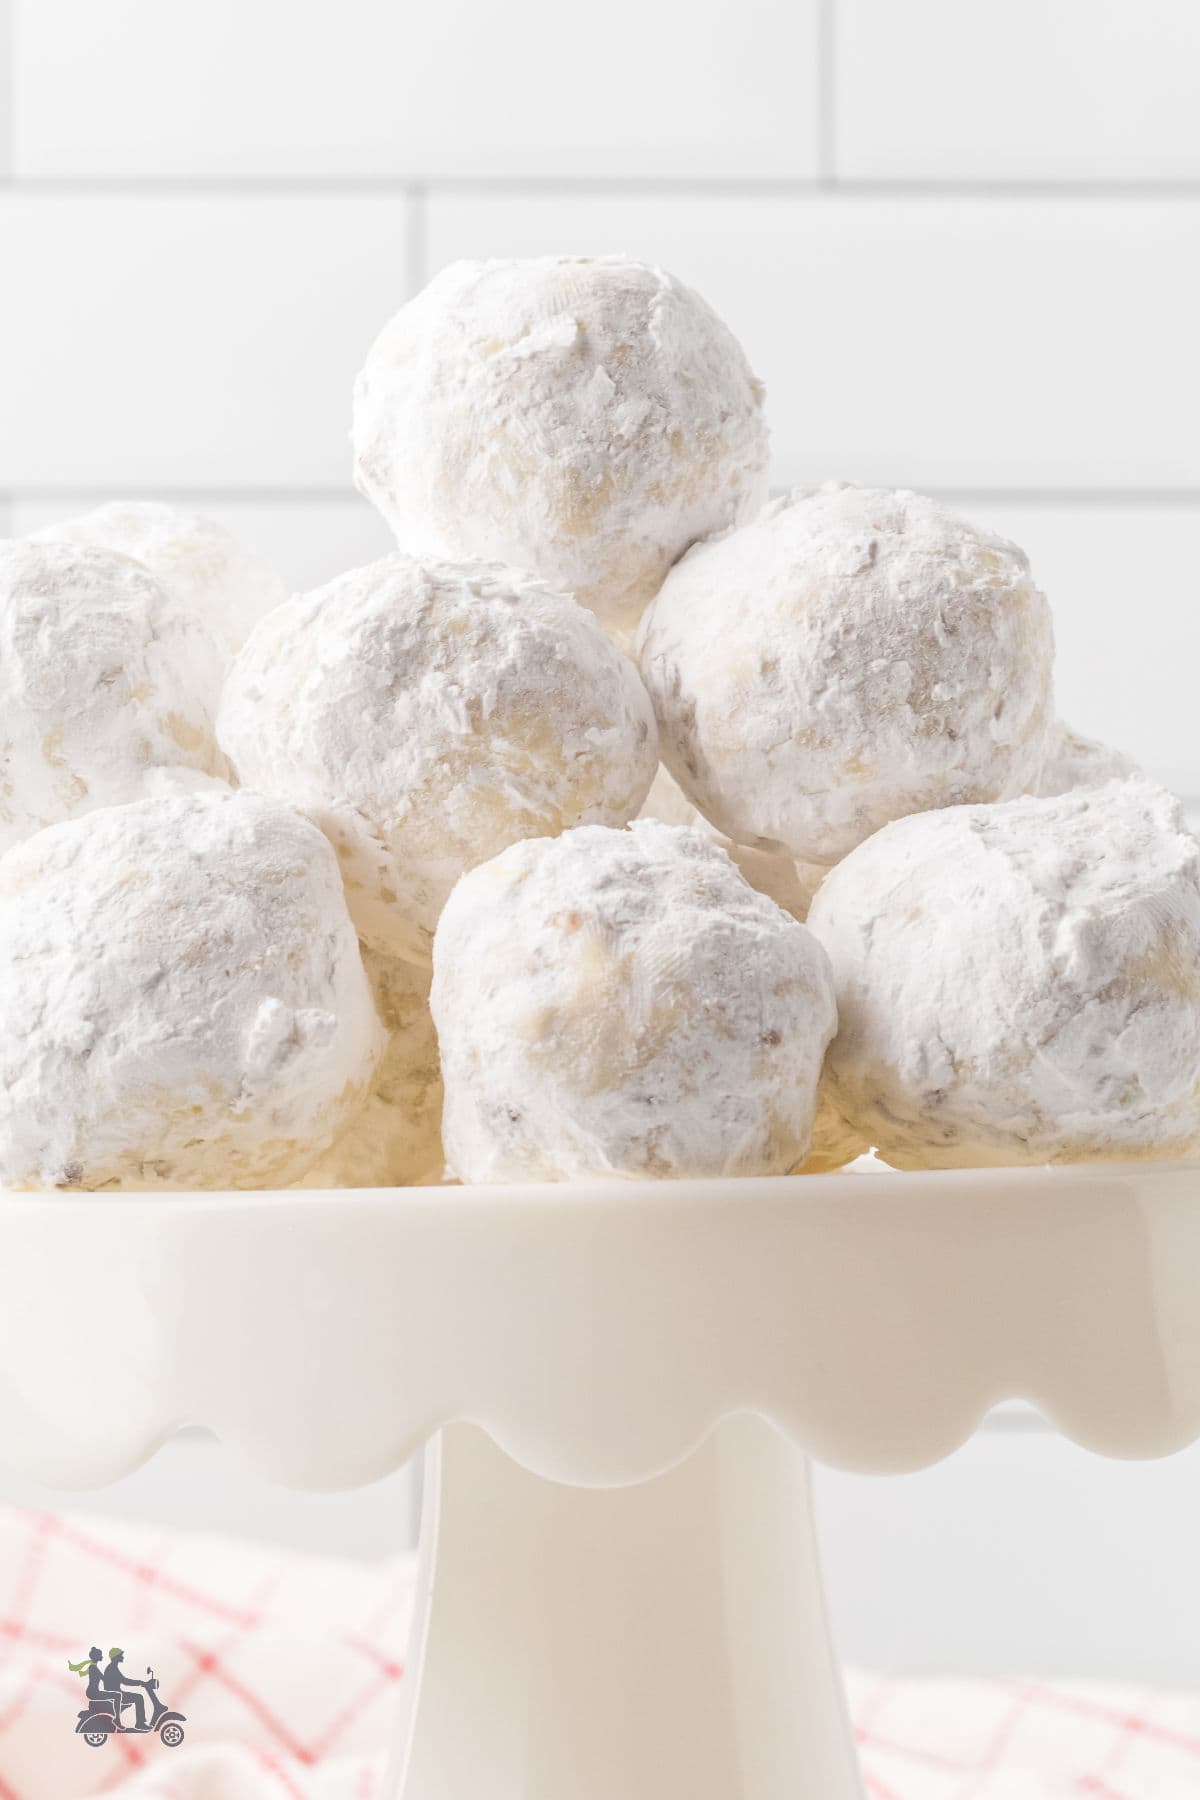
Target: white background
(961, 240)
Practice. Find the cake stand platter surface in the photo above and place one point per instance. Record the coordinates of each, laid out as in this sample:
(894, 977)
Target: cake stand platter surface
(620, 1589)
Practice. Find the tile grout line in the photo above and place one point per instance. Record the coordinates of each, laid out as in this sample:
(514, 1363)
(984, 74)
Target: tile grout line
(217, 493)
(1162, 497)
(1082, 496)
(325, 493)
(829, 188)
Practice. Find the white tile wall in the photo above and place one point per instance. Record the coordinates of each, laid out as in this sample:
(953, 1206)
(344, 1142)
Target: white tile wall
(1124, 581)
(214, 205)
(152, 341)
(1074, 90)
(6, 88)
(236, 87)
(936, 342)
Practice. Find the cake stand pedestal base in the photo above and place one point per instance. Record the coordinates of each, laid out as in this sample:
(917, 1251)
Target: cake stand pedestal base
(664, 1641)
(591, 1628)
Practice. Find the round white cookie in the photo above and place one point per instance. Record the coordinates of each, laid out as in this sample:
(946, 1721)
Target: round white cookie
(1075, 762)
(1020, 983)
(790, 884)
(396, 1139)
(622, 1004)
(428, 714)
(182, 1001)
(584, 418)
(848, 657)
(96, 685)
(208, 576)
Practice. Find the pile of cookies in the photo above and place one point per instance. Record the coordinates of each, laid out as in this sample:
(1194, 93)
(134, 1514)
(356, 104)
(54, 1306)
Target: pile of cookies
(622, 823)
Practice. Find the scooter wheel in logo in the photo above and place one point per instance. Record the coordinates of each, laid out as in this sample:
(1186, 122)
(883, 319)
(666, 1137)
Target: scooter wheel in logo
(172, 1735)
(95, 1738)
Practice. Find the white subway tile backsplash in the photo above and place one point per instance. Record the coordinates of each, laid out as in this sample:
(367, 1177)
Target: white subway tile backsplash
(1024, 90)
(164, 341)
(6, 89)
(1122, 580)
(371, 88)
(309, 541)
(931, 342)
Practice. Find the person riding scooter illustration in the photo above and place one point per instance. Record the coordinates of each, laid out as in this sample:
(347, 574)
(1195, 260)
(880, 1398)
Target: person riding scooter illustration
(115, 1682)
(109, 1696)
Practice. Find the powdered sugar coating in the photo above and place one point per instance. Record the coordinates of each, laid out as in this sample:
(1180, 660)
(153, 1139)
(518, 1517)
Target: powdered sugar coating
(623, 1004)
(1020, 983)
(427, 714)
(790, 884)
(207, 575)
(1074, 762)
(182, 1003)
(850, 656)
(584, 418)
(396, 1139)
(96, 688)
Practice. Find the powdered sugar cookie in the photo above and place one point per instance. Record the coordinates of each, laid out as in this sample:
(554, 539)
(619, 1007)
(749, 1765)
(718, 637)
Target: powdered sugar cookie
(848, 657)
(182, 1002)
(427, 714)
(1074, 762)
(96, 688)
(790, 884)
(584, 418)
(622, 1004)
(1020, 983)
(396, 1139)
(207, 575)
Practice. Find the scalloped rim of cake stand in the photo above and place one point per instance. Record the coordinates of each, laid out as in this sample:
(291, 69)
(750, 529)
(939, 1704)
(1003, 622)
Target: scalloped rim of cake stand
(598, 1332)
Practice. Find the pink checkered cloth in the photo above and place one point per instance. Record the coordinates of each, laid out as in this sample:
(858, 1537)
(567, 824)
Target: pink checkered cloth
(288, 1669)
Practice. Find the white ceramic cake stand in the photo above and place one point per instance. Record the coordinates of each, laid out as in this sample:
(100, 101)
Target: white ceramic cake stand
(621, 1596)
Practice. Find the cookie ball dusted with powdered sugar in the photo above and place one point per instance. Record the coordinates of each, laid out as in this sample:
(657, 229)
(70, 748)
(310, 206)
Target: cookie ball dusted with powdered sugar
(623, 1004)
(1020, 983)
(584, 418)
(182, 1001)
(848, 657)
(396, 1139)
(790, 884)
(96, 687)
(206, 574)
(427, 714)
(1074, 762)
